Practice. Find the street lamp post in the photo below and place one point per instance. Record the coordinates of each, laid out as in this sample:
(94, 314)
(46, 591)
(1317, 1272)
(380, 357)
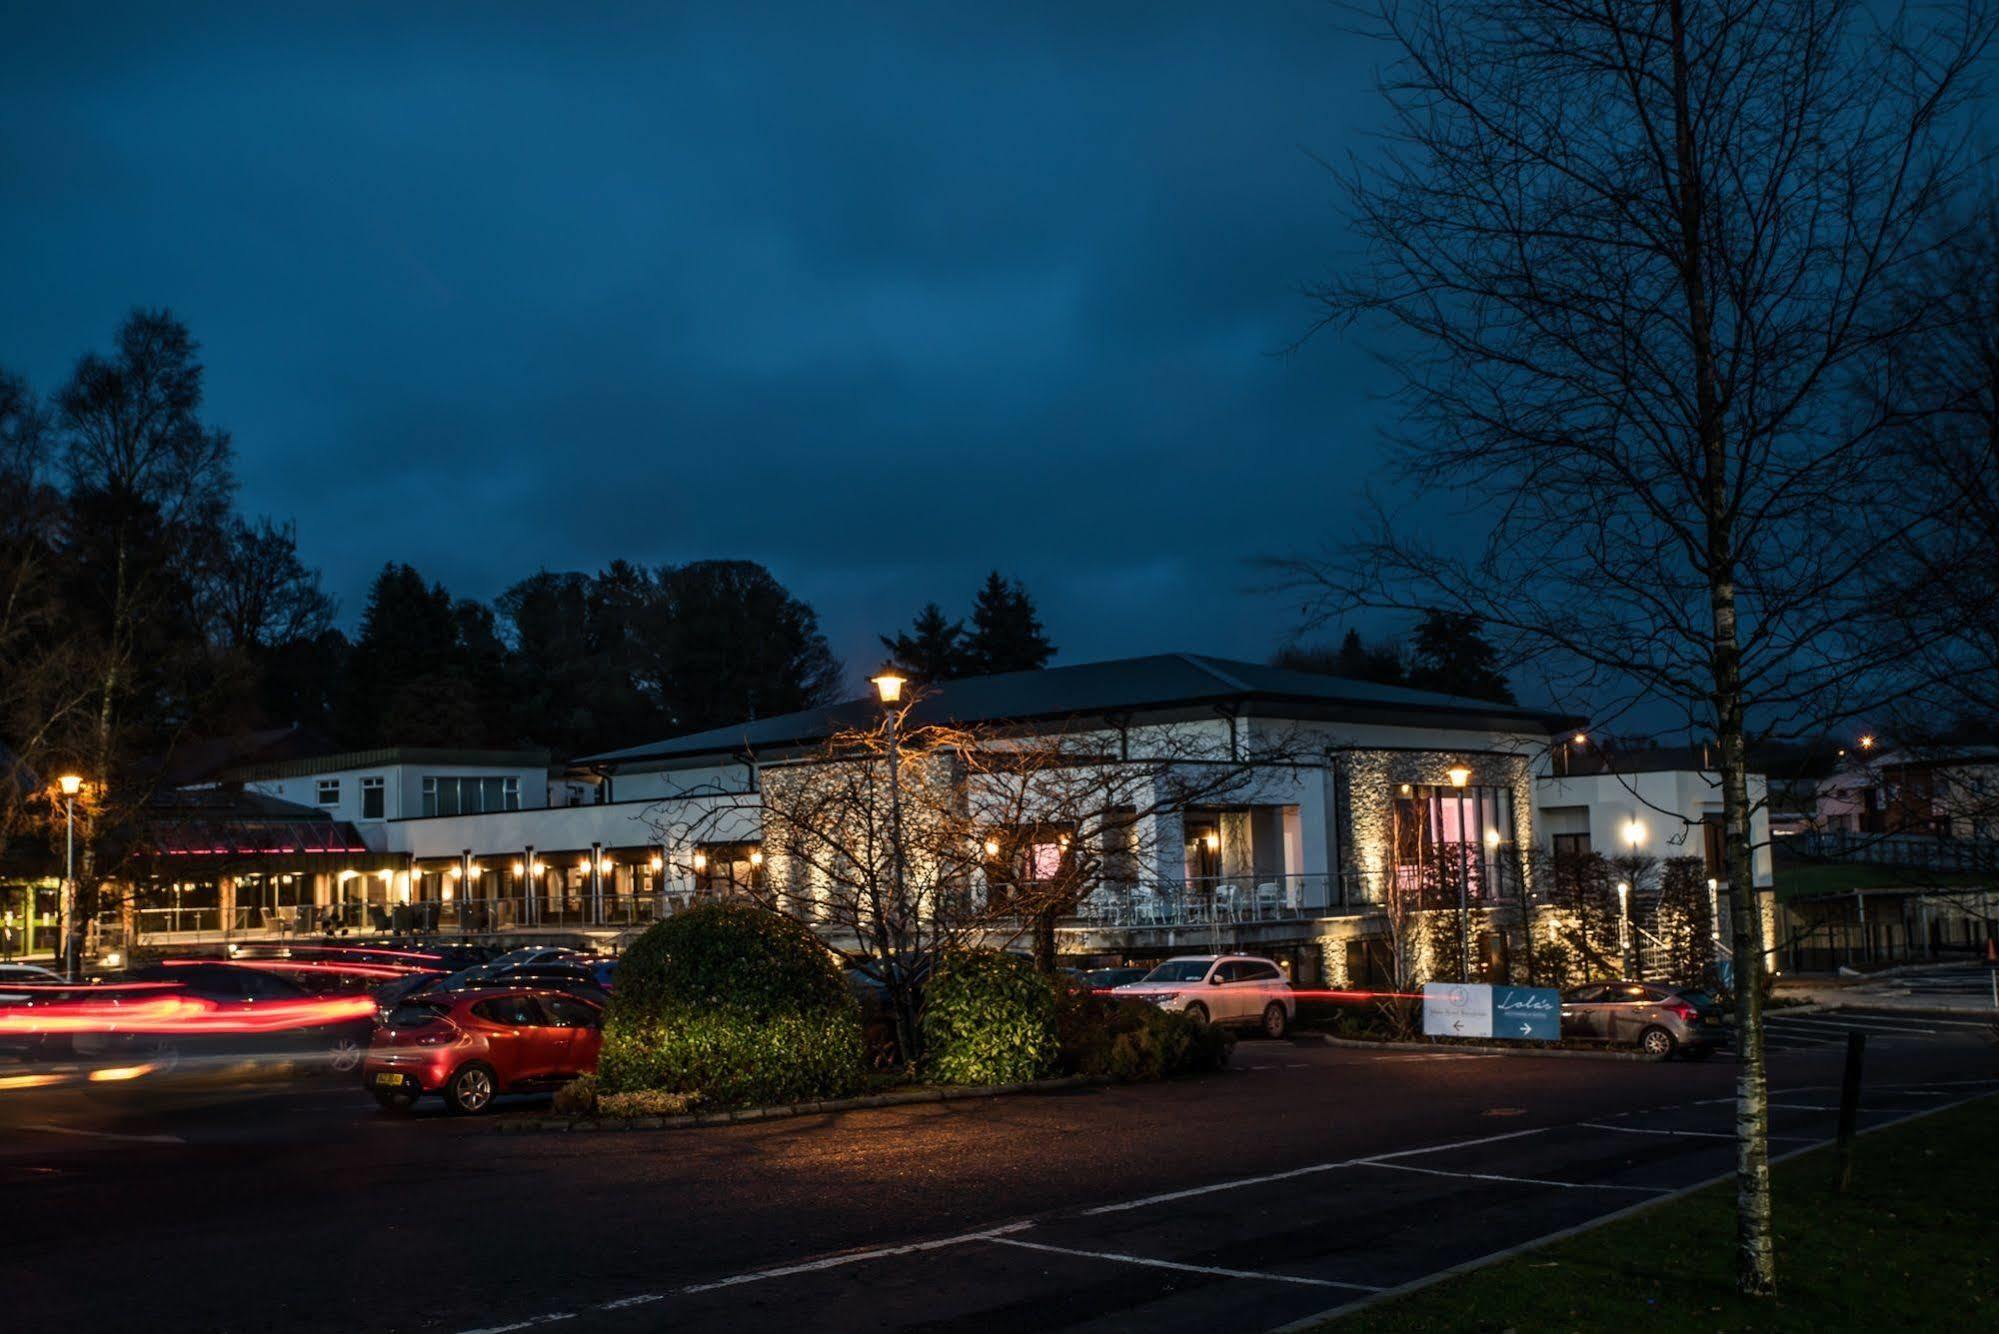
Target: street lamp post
(888, 686)
(72, 938)
(1624, 925)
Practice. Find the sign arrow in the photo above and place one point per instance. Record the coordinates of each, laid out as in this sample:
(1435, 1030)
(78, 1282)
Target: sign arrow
(1457, 1025)
(1526, 1029)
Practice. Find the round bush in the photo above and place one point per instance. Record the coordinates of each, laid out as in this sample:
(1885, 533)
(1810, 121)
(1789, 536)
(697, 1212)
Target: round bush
(735, 1005)
(989, 1018)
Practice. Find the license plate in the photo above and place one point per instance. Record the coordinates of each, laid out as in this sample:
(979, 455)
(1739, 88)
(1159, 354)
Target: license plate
(388, 1079)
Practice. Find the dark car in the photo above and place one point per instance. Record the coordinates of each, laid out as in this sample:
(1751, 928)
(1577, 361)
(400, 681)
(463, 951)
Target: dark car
(471, 1046)
(1103, 979)
(204, 1008)
(1657, 1019)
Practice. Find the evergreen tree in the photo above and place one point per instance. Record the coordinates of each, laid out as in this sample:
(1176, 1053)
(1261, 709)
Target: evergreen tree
(424, 671)
(1452, 655)
(1354, 658)
(932, 649)
(1006, 633)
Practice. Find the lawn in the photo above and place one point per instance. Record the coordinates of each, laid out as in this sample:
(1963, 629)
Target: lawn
(1914, 1245)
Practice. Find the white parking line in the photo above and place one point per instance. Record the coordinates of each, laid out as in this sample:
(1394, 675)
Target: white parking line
(1490, 1176)
(1296, 1172)
(1692, 1134)
(1814, 1027)
(855, 1257)
(1151, 1263)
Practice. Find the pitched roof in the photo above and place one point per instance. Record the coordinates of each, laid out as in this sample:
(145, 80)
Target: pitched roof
(1100, 689)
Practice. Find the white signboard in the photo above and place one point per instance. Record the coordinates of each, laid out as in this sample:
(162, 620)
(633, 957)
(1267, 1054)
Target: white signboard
(1457, 1010)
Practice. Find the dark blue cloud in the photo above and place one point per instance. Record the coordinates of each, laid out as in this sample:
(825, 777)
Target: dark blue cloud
(882, 296)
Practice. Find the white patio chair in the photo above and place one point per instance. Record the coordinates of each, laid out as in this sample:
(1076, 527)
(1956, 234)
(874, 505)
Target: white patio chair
(1228, 901)
(1268, 896)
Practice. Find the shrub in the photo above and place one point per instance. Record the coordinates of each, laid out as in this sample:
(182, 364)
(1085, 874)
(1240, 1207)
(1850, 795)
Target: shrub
(989, 1018)
(1131, 1041)
(646, 1102)
(734, 1005)
(577, 1098)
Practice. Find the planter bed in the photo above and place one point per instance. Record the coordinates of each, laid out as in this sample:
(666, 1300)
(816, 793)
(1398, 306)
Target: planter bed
(889, 1098)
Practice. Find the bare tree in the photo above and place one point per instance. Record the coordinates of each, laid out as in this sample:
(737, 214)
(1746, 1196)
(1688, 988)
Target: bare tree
(985, 835)
(1640, 255)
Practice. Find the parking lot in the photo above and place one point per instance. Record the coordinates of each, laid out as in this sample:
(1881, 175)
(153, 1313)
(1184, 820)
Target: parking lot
(1307, 1177)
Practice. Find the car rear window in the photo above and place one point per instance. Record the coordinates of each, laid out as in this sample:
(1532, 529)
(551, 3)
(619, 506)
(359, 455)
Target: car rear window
(413, 1016)
(1179, 970)
(517, 1011)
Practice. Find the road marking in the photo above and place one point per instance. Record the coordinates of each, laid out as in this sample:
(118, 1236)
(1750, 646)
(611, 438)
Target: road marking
(1842, 1026)
(855, 1257)
(107, 1134)
(1291, 1175)
(758, 1276)
(1489, 1176)
(1692, 1134)
(1151, 1263)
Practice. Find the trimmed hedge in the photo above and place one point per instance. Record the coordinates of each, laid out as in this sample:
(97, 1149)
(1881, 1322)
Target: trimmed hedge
(1130, 1041)
(735, 1005)
(989, 1018)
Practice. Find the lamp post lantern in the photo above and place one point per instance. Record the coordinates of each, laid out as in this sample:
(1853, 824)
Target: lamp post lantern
(72, 937)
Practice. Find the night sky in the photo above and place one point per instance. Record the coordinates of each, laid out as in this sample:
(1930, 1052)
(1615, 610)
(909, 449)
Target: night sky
(880, 296)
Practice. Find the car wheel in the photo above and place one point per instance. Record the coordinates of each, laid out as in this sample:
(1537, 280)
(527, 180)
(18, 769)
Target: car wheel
(1656, 1042)
(1197, 1012)
(1275, 1021)
(470, 1090)
(344, 1056)
(394, 1100)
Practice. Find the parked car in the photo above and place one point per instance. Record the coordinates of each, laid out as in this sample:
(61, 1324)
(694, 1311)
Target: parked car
(1658, 1020)
(1103, 979)
(32, 974)
(237, 1012)
(472, 1046)
(1228, 989)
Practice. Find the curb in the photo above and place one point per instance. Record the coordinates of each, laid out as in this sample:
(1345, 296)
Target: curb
(741, 1115)
(1912, 1011)
(1361, 1044)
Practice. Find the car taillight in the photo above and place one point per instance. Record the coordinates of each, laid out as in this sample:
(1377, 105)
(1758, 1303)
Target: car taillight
(1686, 1012)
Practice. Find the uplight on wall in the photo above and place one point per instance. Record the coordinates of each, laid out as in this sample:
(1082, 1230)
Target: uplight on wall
(1634, 832)
(1459, 776)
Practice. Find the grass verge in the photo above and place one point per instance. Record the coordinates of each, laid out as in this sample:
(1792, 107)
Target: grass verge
(1910, 1246)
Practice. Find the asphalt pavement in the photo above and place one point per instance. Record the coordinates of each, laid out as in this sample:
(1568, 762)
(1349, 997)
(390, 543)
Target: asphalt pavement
(1305, 1178)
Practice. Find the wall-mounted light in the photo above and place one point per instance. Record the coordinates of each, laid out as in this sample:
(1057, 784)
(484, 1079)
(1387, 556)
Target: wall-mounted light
(1582, 738)
(756, 856)
(1492, 838)
(700, 861)
(1212, 841)
(1459, 776)
(455, 871)
(658, 863)
(386, 875)
(1867, 742)
(1634, 832)
(1406, 789)
(992, 847)
(519, 870)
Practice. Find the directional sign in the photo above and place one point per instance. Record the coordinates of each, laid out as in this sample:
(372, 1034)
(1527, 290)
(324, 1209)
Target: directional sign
(1457, 1009)
(1527, 1014)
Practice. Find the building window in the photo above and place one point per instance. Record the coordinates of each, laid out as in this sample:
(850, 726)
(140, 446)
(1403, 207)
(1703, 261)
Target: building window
(329, 791)
(371, 798)
(724, 869)
(1571, 845)
(454, 795)
(1443, 835)
(1714, 846)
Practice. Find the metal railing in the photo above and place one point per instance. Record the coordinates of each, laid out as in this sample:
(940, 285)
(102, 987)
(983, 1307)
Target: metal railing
(1925, 852)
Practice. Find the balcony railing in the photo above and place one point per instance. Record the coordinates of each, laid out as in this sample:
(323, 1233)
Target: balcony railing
(1923, 852)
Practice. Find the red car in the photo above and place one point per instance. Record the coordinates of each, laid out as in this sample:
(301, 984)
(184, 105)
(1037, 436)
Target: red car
(472, 1046)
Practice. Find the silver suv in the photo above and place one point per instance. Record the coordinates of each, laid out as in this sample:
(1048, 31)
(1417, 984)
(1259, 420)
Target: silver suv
(1234, 989)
